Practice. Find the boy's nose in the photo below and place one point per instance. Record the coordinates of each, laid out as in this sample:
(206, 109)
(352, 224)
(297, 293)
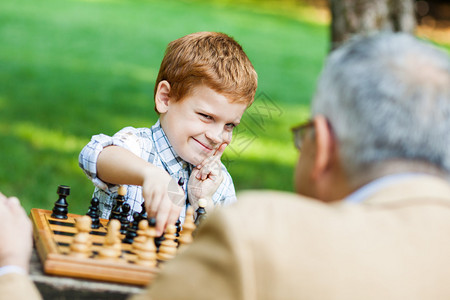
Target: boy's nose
(215, 135)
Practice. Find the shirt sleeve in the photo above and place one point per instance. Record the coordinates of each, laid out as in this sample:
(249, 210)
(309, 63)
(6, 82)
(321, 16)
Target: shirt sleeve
(11, 269)
(129, 138)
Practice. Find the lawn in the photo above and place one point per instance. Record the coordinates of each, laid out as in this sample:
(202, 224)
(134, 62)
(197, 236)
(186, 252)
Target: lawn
(72, 69)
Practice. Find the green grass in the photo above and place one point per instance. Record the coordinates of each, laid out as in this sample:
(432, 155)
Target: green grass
(72, 69)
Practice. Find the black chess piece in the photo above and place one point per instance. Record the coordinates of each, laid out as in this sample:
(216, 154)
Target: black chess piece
(181, 183)
(93, 213)
(178, 226)
(143, 213)
(132, 230)
(120, 199)
(159, 239)
(60, 209)
(125, 223)
(201, 212)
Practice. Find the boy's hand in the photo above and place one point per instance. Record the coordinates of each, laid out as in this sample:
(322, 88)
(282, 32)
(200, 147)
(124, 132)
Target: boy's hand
(163, 198)
(16, 234)
(205, 179)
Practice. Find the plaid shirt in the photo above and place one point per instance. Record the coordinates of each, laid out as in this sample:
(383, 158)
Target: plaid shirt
(152, 145)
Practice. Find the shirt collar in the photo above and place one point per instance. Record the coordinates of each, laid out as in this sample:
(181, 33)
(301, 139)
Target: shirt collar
(376, 185)
(172, 162)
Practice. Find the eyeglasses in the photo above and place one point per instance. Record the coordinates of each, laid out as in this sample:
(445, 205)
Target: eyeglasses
(300, 132)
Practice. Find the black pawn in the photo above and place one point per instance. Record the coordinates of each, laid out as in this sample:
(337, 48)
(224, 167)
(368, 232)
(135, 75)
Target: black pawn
(124, 218)
(158, 240)
(201, 215)
(178, 226)
(143, 213)
(132, 230)
(93, 213)
(120, 199)
(60, 209)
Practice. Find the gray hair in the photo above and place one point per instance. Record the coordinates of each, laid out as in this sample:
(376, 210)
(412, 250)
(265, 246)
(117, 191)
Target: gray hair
(387, 97)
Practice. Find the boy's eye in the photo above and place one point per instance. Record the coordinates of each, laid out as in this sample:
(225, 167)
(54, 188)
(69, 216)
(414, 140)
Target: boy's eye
(205, 116)
(230, 126)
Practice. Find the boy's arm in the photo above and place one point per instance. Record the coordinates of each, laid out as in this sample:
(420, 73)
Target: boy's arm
(117, 165)
(128, 138)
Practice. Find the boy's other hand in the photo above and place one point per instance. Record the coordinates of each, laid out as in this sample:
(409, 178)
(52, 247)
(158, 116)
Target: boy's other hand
(161, 198)
(205, 179)
(16, 234)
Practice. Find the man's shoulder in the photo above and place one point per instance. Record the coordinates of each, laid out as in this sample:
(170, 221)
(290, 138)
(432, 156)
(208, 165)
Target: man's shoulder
(277, 201)
(266, 208)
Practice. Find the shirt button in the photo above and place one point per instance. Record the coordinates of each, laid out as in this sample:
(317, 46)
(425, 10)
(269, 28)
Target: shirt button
(184, 165)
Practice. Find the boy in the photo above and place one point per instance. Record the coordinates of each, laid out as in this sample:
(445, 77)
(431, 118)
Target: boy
(204, 85)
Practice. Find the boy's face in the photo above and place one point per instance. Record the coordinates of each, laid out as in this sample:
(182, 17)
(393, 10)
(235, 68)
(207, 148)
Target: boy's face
(197, 125)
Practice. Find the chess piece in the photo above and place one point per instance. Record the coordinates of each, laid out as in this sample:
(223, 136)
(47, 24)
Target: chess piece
(125, 223)
(140, 235)
(143, 213)
(60, 209)
(201, 212)
(186, 237)
(120, 199)
(168, 247)
(82, 243)
(112, 248)
(159, 239)
(178, 227)
(93, 213)
(144, 245)
(132, 229)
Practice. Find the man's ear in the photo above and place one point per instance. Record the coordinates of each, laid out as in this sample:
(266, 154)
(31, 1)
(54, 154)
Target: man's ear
(162, 98)
(324, 147)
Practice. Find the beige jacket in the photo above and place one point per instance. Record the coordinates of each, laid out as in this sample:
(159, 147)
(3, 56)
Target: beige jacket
(280, 246)
(272, 245)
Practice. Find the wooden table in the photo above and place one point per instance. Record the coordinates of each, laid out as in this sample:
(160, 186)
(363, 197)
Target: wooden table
(61, 288)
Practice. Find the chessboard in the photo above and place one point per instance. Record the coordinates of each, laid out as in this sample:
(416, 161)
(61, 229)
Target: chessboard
(53, 238)
(115, 250)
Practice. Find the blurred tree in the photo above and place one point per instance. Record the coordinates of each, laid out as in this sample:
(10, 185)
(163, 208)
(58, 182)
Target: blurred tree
(349, 17)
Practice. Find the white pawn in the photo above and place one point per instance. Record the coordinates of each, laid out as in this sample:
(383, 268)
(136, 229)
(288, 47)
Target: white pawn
(168, 247)
(141, 237)
(145, 248)
(82, 243)
(112, 248)
(186, 237)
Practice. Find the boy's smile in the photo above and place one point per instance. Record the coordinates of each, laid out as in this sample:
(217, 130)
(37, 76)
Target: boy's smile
(197, 125)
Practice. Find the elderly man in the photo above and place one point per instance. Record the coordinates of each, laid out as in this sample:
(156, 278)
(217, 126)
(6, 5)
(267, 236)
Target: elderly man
(377, 149)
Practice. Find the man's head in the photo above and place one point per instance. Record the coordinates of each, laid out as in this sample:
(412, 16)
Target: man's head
(204, 85)
(382, 106)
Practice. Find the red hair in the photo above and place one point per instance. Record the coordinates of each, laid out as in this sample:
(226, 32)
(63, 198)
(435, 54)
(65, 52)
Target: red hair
(212, 59)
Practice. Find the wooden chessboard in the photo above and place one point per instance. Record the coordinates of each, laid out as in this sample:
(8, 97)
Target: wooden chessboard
(53, 238)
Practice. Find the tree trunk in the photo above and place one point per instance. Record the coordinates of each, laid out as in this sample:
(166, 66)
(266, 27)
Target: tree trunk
(351, 17)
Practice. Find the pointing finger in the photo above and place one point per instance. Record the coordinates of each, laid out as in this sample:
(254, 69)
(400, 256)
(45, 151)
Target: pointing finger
(220, 150)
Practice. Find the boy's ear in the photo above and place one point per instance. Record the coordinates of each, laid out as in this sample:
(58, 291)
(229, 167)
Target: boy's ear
(162, 96)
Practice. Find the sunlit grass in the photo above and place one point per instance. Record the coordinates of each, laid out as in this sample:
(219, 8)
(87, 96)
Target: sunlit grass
(46, 139)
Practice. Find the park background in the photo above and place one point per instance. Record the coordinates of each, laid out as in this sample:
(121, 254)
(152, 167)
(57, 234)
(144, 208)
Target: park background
(70, 69)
